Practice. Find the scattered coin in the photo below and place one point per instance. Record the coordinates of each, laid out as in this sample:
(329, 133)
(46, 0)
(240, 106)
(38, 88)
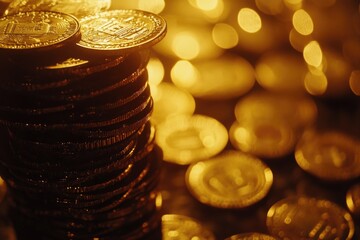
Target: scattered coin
(251, 236)
(185, 139)
(182, 227)
(230, 180)
(309, 218)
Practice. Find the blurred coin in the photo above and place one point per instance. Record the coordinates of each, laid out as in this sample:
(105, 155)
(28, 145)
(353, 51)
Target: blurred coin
(329, 155)
(170, 100)
(309, 218)
(298, 111)
(3, 190)
(251, 236)
(263, 138)
(230, 180)
(185, 139)
(281, 71)
(77, 8)
(119, 31)
(37, 30)
(183, 228)
(353, 199)
(228, 76)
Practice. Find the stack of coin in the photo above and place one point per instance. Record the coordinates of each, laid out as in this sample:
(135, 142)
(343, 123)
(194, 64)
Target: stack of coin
(81, 159)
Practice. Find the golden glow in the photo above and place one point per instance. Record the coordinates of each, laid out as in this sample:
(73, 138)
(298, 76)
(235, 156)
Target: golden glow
(184, 74)
(272, 7)
(316, 82)
(186, 46)
(207, 5)
(225, 36)
(298, 41)
(355, 82)
(243, 137)
(313, 54)
(249, 20)
(302, 22)
(155, 70)
(293, 4)
(154, 6)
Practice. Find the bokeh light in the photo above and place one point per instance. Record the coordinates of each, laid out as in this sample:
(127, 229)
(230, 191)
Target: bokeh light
(225, 36)
(302, 22)
(249, 20)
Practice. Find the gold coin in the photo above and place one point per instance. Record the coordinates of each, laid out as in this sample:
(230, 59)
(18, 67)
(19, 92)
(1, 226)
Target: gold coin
(178, 227)
(236, 73)
(169, 101)
(309, 218)
(353, 199)
(118, 31)
(251, 236)
(185, 139)
(298, 111)
(35, 30)
(331, 155)
(77, 8)
(230, 180)
(267, 139)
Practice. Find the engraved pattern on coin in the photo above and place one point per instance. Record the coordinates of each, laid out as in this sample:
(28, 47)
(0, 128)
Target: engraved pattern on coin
(231, 180)
(121, 30)
(30, 30)
(309, 218)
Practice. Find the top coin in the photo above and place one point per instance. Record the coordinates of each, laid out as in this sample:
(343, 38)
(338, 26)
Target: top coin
(120, 31)
(37, 30)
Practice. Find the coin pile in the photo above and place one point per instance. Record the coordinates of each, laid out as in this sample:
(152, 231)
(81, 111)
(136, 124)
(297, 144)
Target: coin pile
(81, 159)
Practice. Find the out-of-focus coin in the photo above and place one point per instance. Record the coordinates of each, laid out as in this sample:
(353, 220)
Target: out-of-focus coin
(251, 236)
(226, 77)
(77, 8)
(185, 139)
(297, 111)
(281, 72)
(119, 31)
(183, 228)
(37, 30)
(353, 199)
(231, 180)
(3, 189)
(309, 218)
(169, 101)
(267, 139)
(330, 155)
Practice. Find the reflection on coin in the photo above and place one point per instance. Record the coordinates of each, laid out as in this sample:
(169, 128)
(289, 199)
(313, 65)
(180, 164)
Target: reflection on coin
(230, 180)
(222, 78)
(268, 139)
(297, 110)
(185, 139)
(33, 30)
(77, 8)
(309, 218)
(178, 227)
(3, 189)
(118, 31)
(353, 199)
(169, 101)
(251, 236)
(332, 155)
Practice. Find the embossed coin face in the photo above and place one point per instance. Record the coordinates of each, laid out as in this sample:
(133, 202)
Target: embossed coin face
(309, 218)
(268, 139)
(186, 139)
(35, 30)
(251, 236)
(119, 31)
(77, 8)
(353, 199)
(332, 156)
(230, 180)
(178, 227)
